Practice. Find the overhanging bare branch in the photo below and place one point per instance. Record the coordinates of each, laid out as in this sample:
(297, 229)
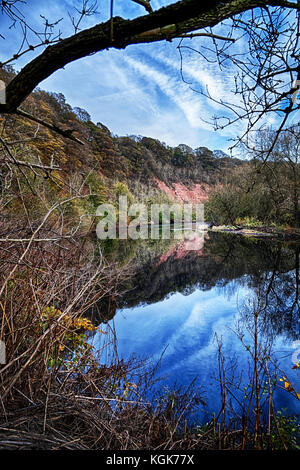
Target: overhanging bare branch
(164, 24)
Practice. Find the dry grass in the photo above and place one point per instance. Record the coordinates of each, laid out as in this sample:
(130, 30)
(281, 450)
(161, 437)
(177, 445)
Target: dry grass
(53, 391)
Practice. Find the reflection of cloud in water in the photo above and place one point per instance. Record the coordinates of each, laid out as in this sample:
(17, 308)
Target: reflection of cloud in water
(192, 343)
(185, 324)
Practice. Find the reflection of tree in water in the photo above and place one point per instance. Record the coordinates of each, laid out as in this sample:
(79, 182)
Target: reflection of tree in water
(279, 293)
(264, 265)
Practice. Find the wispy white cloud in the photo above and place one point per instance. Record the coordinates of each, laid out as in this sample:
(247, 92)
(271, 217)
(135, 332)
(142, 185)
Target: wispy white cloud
(137, 90)
(184, 98)
(207, 78)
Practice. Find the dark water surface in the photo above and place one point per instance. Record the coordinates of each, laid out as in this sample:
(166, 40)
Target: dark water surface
(181, 300)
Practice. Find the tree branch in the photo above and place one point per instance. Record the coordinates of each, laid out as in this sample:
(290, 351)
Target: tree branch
(209, 35)
(30, 165)
(65, 133)
(14, 161)
(145, 4)
(164, 24)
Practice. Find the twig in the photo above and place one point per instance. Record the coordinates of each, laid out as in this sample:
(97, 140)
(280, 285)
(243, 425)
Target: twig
(65, 133)
(210, 35)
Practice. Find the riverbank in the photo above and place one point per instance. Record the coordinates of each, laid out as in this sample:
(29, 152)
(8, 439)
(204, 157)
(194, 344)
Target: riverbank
(58, 391)
(276, 233)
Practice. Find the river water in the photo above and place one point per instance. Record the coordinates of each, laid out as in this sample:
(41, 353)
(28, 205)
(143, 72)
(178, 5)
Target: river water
(186, 299)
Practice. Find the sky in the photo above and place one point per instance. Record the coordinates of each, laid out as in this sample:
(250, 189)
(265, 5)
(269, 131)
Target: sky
(139, 90)
(185, 328)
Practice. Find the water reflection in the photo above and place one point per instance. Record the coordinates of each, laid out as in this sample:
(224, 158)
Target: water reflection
(179, 300)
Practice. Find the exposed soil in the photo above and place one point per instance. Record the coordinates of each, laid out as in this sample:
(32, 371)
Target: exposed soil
(197, 193)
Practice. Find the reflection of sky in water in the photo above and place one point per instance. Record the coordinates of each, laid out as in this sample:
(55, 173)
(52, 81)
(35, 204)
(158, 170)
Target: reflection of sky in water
(187, 326)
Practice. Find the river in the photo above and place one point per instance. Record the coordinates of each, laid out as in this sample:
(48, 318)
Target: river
(185, 300)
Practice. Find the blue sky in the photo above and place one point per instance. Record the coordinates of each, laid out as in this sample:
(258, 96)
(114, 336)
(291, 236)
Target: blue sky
(138, 90)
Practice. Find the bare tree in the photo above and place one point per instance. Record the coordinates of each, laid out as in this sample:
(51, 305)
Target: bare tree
(281, 171)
